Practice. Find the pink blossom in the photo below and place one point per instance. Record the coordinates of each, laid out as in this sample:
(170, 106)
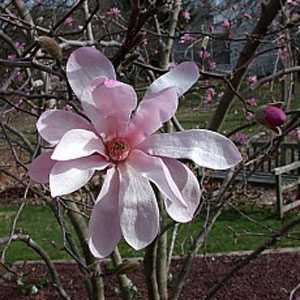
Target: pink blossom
(145, 42)
(283, 53)
(212, 65)
(69, 21)
(121, 140)
(68, 107)
(211, 28)
(19, 76)
(252, 79)
(210, 94)
(114, 12)
(186, 15)
(249, 116)
(204, 54)
(293, 2)
(252, 101)
(226, 24)
(271, 115)
(20, 45)
(186, 38)
(296, 133)
(240, 138)
(12, 56)
(247, 16)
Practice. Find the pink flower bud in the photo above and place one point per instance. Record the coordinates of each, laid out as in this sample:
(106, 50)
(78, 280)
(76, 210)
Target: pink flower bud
(271, 116)
(252, 79)
(226, 24)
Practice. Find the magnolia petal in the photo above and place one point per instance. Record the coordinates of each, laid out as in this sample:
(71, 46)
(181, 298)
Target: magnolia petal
(182, 77)
(113, 102)
(54, 124)
(84, 66)
(78, 143)
(104, 226)
(155, 170)
(139, 213)
(69, 176)
(153, 111)
(40, 168)
(206, 148)
(189, 188)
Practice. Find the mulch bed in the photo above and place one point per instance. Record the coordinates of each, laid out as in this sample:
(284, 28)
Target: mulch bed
(271, 276)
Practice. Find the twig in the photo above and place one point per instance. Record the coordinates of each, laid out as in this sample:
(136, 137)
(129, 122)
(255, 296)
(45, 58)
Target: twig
(43, 254)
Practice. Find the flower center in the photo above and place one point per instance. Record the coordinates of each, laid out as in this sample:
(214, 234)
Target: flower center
(117, 149)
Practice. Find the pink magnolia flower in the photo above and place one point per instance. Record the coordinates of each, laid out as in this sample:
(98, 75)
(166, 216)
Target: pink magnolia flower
(271, 116)
(121, 139)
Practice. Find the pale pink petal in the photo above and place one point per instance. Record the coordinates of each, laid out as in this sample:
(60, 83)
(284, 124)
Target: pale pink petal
(111, 106)
(104, 226)
(139, 213)
(189, 187)
(84, 66)
(155, 170)
(40, 168)
(153, 111)
(78, 143)
(182, 77)
(53, 124)
(69, 176)
(206, 148)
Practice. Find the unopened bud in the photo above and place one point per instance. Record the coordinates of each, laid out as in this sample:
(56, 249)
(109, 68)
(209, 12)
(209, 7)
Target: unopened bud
(51, 46)
(271, 116)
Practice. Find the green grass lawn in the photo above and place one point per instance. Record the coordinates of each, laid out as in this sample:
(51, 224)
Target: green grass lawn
(231, 232)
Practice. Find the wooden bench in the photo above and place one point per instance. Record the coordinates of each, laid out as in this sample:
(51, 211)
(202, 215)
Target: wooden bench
(282, 186)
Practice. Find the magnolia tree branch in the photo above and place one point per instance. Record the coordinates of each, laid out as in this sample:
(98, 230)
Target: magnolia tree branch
(44, 256)
(150, 271)
(124, 282)
(81, 229)
(275, 76)
(268, 14)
